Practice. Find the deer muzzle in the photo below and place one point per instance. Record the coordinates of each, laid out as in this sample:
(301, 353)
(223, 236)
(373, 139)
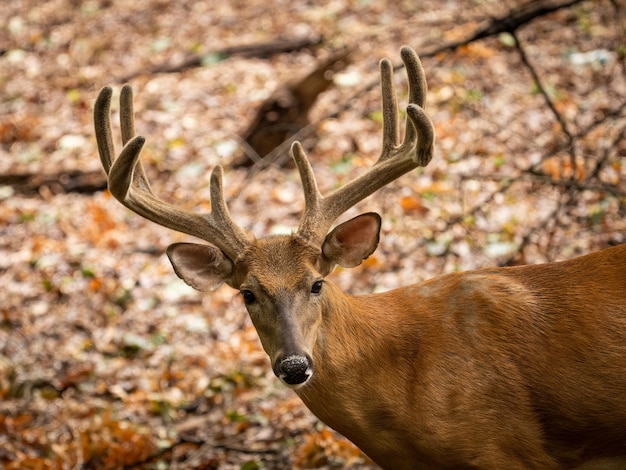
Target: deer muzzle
(294, 370)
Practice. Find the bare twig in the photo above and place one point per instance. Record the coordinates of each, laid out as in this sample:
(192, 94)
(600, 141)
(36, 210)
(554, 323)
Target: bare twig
(542, 90)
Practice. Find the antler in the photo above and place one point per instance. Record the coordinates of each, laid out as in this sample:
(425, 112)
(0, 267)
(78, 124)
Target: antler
(395, 159)
(129, 185)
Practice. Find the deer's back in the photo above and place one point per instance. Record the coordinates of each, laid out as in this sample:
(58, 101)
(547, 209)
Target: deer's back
(529, 360)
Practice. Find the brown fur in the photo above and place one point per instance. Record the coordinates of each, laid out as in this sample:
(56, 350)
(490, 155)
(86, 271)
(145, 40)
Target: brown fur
(520, 367)
(517, 368)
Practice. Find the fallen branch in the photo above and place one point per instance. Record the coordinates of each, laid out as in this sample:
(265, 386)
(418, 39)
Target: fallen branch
(260, 50)
(74, 181)
(509, 23)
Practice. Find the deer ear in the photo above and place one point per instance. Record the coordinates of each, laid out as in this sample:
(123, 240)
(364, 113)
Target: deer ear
(203, 267)
(353, 241)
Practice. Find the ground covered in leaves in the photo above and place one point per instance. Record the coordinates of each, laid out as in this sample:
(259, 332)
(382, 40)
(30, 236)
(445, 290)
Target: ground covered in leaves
(107, 360)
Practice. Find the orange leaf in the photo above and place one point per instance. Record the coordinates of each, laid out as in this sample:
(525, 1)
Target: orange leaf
(371, 262)
(95, 285)
(412, 204)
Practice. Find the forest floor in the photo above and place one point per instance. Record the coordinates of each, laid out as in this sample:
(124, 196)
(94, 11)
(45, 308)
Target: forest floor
(108, 360)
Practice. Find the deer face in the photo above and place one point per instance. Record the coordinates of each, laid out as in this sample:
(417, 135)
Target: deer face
(284, 303)
(281, 280)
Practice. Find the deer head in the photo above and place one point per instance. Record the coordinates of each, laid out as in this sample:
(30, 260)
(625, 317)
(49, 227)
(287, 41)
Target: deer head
(281, 278)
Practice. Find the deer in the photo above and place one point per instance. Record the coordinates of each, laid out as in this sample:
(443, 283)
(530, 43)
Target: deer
(518, 367)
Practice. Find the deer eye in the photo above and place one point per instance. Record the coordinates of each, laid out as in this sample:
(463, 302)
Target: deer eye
(248, 296)
(316, 288)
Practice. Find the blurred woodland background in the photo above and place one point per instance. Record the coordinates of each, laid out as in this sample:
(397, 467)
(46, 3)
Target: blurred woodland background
(107, 360)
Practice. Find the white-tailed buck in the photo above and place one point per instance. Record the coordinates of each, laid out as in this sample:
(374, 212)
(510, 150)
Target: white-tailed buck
(504, 368)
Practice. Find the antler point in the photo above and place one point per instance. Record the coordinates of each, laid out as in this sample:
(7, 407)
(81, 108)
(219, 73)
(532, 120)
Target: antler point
(216, 175)
(406, 50)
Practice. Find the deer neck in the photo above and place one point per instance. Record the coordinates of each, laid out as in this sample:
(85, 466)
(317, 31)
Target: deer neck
(350, 335)
(348, 358)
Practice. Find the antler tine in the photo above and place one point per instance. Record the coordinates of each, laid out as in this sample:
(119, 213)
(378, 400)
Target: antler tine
(390, 110)
(102, 123)
(394, 161)
(129, 184)
(127, 113)
(313, 217)
(127, 127)
(420, 122)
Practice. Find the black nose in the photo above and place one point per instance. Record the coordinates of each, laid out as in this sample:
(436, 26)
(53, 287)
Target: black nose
(294, 369)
